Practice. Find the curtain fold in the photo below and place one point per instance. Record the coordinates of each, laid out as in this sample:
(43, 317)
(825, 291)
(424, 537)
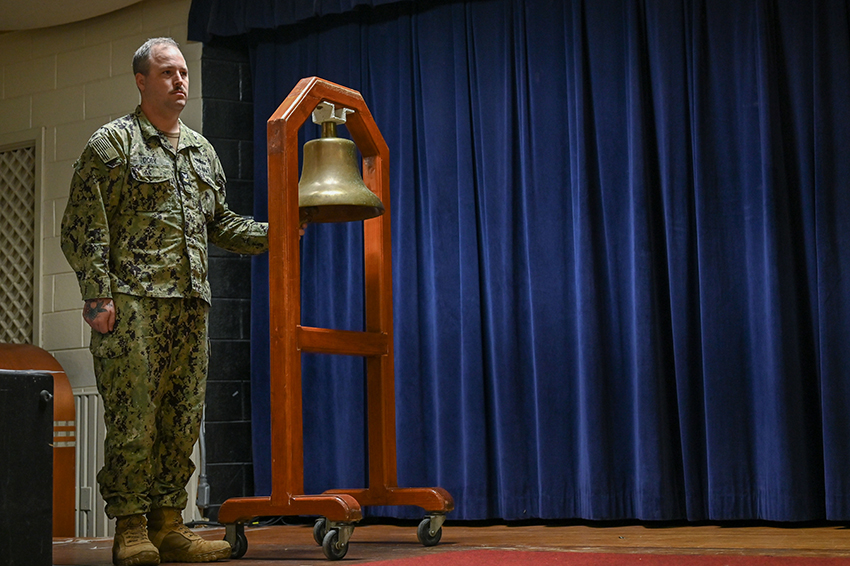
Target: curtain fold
(829, 284)
(619, 286)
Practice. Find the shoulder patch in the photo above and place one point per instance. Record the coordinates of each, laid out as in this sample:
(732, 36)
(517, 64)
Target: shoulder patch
(104, 150)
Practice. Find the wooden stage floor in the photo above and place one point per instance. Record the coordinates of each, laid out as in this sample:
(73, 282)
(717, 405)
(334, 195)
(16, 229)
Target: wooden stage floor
(282, 545)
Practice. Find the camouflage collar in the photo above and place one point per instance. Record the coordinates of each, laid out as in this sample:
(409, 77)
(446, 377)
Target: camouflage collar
(188, 138)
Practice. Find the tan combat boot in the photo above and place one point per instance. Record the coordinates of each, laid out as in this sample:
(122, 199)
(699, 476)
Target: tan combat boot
(176, 543)
(131, 546)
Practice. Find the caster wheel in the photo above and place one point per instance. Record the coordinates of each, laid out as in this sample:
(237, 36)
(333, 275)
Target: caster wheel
(425, 535)
(331, 546)
(239, 545)
(320, 529)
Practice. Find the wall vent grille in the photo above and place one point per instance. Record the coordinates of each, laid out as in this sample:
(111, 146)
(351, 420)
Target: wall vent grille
(17, 244)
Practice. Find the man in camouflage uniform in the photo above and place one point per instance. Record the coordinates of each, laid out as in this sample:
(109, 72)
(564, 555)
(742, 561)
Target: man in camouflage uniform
(147, 194)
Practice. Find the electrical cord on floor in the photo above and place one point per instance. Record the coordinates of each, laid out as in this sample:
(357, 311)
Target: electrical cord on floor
(202, 523)
(272, 521)
(258, 522)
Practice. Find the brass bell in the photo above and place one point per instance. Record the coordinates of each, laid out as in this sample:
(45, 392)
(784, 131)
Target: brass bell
(331, 188)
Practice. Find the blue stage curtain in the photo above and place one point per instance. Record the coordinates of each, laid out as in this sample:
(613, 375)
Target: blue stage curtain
(619, 288)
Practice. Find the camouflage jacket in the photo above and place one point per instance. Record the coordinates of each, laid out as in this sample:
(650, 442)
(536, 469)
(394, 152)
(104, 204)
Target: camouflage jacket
(139, 214)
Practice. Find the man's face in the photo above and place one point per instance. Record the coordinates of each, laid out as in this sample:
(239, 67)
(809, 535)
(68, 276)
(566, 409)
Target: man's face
(166, 85)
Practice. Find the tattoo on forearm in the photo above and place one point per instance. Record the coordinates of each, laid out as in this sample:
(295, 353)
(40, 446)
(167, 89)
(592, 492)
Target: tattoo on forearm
(93, 308)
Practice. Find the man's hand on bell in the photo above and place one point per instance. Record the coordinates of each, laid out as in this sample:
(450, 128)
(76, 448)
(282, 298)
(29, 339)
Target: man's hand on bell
(99, 314)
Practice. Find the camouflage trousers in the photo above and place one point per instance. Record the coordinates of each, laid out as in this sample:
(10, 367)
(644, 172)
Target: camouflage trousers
(151, 373)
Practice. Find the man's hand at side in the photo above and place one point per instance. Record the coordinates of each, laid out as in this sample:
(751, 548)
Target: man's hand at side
(99, 314)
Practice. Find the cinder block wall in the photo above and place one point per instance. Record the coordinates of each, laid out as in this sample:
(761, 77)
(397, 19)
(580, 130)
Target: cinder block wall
(60, 84)
(69, 80)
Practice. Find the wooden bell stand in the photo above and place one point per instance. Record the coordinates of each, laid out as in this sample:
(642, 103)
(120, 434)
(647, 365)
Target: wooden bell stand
(339, 508)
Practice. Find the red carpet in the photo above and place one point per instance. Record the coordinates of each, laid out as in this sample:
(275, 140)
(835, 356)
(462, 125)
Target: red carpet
(525, 558)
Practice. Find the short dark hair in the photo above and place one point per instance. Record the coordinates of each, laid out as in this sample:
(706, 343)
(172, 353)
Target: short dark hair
(142, 58)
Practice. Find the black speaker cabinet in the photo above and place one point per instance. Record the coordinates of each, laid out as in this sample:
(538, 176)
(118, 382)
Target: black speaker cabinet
(26, 468)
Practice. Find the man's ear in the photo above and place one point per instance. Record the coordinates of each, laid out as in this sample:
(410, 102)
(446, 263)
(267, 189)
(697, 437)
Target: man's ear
(140, 82)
